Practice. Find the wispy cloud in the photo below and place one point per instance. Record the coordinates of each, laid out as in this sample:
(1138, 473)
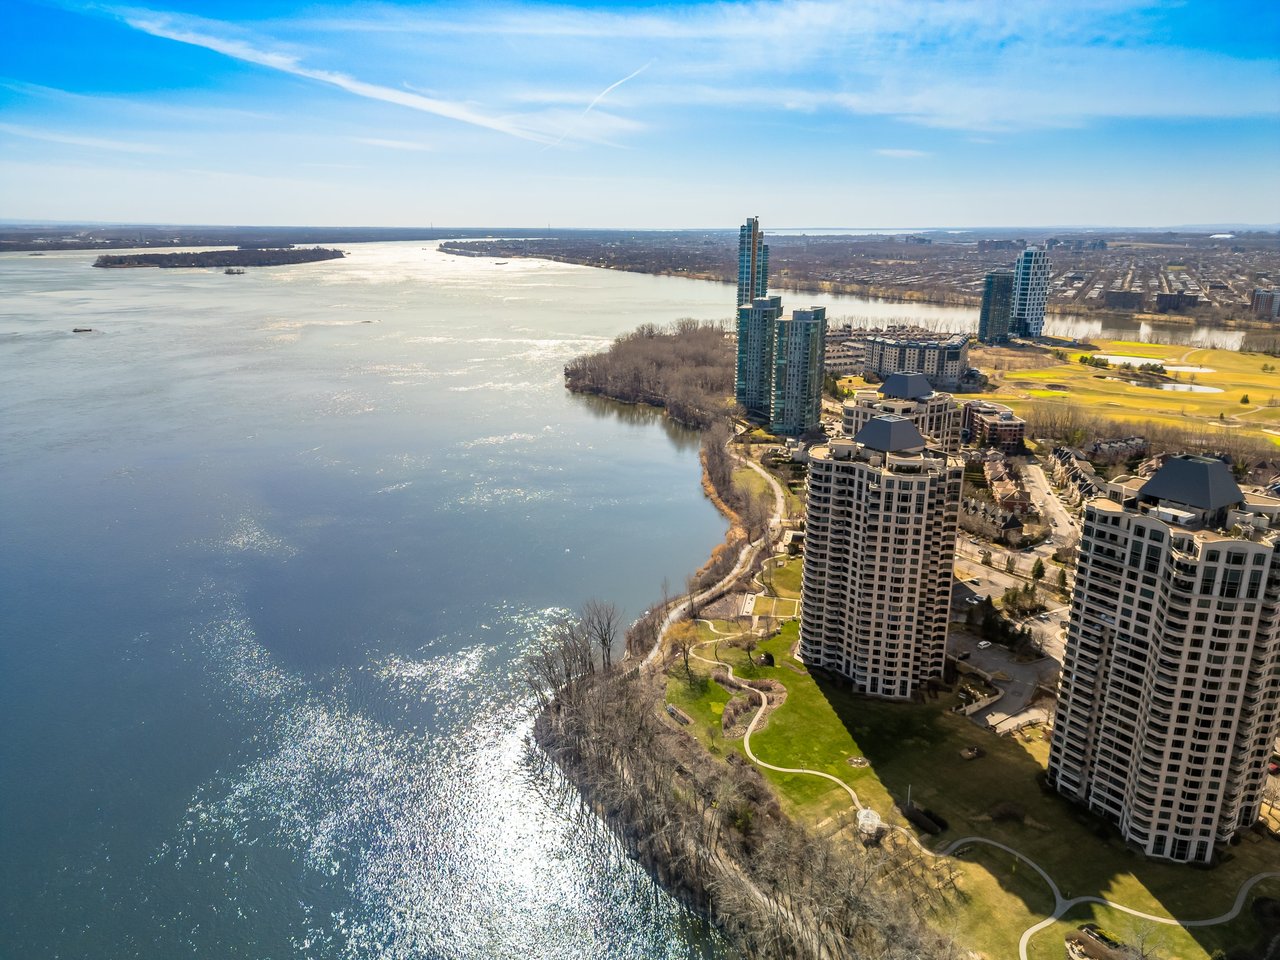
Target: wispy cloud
(393, 144)
(901, 154)
(614, 86)
(975, 65)
(170, 28)
(76, 140)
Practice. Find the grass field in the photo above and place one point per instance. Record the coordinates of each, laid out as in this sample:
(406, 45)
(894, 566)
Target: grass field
(783, 577)
(766, 606)
(917, 747)
(747, 479)
(1165, 940)
(1237, 375)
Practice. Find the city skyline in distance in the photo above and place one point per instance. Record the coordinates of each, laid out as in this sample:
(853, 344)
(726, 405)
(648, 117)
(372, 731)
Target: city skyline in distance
(631, 116)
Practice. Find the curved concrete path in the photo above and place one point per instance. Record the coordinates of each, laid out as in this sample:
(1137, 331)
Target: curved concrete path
(745, 558)
(1061, 905)
(1065, 906)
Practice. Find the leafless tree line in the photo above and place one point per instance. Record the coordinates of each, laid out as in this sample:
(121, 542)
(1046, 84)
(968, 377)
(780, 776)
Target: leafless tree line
(687, 368)
(712, 832)
(1073, 425)
(753, 510)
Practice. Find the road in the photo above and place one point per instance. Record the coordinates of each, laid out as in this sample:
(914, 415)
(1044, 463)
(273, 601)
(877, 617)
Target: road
(1046, 501)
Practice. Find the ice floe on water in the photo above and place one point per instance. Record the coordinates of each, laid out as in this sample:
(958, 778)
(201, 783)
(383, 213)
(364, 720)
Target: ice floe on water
(494, 441)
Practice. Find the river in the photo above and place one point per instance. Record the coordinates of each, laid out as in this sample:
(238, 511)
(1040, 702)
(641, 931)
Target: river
(272, 547)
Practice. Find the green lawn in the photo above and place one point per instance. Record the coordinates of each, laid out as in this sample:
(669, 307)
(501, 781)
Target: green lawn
(1167, 940)
(785, 577)
(917, 747)
(1237, 374)
(747, 479)
(996, 899)
(744, 478)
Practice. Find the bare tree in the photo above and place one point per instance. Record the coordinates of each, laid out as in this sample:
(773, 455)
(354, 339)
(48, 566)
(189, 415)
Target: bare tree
(695, 605)
(1147, 942)
(601, 620)
(684, 636)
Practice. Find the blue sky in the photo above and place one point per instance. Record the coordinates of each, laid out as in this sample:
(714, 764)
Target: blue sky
(805, 112)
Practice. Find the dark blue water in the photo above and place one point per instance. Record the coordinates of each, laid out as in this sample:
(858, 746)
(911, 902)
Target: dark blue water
(266, 575)
(271, 550)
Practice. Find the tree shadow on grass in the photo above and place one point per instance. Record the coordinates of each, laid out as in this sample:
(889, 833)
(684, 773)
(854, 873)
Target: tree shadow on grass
(916, 749)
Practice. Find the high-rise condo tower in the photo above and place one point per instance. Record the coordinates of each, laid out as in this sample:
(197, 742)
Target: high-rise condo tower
(753, 383)
(753, 263)
(1030, 292)
(1170, 698)
(796, 404)
(880, 539)
(997, 306)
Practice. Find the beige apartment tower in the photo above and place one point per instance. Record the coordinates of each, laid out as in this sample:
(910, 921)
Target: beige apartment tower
(880, 539)
(1168, 707)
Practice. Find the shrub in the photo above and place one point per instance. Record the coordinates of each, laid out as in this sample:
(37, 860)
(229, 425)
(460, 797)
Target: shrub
(923, 821)
(1007, 812)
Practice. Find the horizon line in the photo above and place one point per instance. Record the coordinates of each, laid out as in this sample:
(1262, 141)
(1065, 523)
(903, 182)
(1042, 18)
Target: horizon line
(1157, 228)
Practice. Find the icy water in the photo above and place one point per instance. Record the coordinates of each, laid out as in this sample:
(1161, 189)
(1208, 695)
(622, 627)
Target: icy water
(271, 549)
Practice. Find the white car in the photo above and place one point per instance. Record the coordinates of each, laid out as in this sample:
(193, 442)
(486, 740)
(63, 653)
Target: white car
(983, 644)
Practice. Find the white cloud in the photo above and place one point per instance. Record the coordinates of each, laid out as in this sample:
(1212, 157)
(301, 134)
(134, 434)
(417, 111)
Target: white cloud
(393, 144)
(166, 27)
(901, 154)
(76, 140)
(950, 64)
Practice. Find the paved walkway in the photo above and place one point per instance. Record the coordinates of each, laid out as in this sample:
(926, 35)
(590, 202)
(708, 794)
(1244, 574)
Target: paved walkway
(1061, 904)
(745, 558)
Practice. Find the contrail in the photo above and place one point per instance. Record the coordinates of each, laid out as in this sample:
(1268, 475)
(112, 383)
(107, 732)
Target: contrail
(614, 86)
(599, 96)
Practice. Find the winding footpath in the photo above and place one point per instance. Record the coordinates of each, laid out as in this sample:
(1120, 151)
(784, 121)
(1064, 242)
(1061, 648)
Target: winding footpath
(746, 557)
(1061, 905)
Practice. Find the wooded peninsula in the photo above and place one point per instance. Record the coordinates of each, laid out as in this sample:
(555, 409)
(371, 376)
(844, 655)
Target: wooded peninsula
(253, 257)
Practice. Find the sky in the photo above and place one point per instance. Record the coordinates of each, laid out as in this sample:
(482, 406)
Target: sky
(818, 113)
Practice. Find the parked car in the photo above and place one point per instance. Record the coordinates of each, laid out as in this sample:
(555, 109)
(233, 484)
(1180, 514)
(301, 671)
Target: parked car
(983, 644)
(1273, 768)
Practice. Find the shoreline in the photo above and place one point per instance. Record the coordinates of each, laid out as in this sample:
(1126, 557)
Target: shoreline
(893, 294)
(708, 829)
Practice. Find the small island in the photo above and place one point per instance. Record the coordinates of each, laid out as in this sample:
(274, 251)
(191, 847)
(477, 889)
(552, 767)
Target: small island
(243, 257)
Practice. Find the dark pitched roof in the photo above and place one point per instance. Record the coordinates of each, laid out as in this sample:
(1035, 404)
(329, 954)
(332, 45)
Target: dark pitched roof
(906, 386)
(1201, 482)
(890, 434)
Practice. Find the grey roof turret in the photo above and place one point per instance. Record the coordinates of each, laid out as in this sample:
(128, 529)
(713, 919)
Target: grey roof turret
(906, 386)
(1201, 482)
(890, 434)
